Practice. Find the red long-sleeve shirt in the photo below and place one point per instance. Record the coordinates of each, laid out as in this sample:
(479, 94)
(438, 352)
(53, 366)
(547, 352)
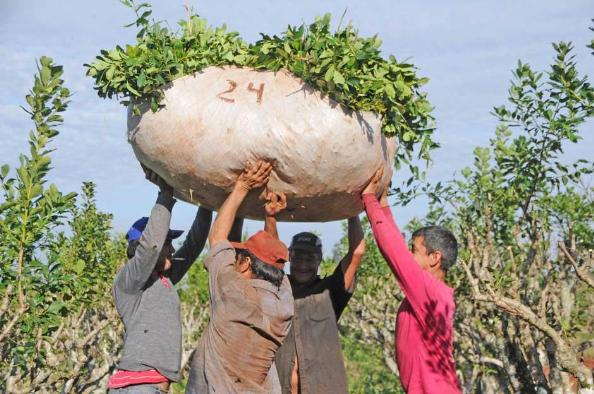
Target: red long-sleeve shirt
(424, 325)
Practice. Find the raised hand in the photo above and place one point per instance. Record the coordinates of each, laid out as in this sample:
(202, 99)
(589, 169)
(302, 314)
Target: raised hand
(254, 175)
(373, 186)
(153, 177)
(275, 202)
(384, 198)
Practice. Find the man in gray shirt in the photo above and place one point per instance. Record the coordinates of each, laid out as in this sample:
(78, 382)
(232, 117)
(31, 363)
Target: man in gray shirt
(250, 301)
(310, 359)
(146, 300)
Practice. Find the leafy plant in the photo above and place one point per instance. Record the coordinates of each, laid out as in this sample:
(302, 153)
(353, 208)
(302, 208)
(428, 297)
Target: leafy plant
(30, 212)
(524, 219)
(160, 56)
(347, 67)
(351, 70)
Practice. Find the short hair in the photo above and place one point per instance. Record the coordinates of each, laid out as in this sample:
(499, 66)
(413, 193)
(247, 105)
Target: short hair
(131, 250)
(264, 271)
(437, 238)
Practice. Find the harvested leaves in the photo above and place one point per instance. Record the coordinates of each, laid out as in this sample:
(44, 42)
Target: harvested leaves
(340, 63)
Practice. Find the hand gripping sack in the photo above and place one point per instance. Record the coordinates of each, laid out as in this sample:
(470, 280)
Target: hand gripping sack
(215, 120)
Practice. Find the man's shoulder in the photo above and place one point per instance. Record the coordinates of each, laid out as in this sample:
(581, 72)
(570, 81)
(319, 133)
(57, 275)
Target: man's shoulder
(314, 293)
(219, 247)
(221, 252)
(440, 296)
(318, 285)
(439, 288)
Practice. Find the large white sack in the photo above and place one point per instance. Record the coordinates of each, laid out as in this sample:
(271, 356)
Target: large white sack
(216, 120)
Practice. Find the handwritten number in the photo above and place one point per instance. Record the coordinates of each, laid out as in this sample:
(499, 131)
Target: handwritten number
(232, 87)
(259, 91)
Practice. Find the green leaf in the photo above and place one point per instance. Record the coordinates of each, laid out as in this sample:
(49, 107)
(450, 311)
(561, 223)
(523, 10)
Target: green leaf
(132, 90)
(79, 266)
(55, 307)
(110, 72)
(36, 190)
(329, 74)
(338, 78)
(390, 91)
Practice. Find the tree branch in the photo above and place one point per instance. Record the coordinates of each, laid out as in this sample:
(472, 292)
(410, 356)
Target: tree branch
(567, 357)
(580, 272)
(17, 315)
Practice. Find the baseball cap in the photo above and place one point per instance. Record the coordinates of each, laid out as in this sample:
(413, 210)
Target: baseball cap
(306, 241)
(138, 227)
(266, 248)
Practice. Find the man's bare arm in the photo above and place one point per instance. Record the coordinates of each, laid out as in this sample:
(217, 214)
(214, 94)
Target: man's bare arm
(352, 261)
(275, 202)
(252, 177)
(236, 231)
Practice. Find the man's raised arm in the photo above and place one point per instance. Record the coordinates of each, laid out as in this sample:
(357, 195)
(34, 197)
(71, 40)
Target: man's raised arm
(352, 261)
(192, 246)
(391, 243)
(133, 276)
(275, 202)
(253, 176)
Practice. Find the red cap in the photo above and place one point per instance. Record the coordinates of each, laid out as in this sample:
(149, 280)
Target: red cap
(266, 248)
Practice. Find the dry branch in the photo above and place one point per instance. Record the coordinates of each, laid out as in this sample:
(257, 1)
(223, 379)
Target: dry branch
(580, 272)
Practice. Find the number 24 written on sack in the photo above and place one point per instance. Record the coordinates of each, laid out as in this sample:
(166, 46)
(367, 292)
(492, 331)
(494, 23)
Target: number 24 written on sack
(233, 85)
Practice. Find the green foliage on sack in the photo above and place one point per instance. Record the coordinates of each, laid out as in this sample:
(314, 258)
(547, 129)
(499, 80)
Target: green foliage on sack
(347, 67)
(160, 56)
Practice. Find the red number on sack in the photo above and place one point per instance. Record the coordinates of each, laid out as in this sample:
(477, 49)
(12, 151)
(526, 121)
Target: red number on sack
(259, 91)
(232, 87)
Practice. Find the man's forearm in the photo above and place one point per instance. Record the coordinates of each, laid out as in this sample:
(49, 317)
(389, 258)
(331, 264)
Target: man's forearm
(270, 226)
(193, 245)
(355, 233)
(352, 261)
(224, 221)
(236, 230)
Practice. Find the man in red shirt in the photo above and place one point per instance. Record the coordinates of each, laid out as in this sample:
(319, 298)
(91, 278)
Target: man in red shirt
(424, 326)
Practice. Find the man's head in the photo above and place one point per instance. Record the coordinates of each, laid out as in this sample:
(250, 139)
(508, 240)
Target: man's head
(305, 255)
(133, 236)
(434, 248)
(262, 257)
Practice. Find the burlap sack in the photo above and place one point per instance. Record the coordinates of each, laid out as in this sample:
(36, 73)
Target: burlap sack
(216, 120)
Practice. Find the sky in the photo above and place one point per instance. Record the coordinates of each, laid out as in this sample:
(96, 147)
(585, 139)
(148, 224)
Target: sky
(466, 48)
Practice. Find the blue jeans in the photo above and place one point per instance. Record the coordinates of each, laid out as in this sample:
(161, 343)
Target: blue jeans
(138, 389)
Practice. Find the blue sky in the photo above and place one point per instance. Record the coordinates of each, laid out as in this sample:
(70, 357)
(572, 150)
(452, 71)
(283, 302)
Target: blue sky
(466, 48)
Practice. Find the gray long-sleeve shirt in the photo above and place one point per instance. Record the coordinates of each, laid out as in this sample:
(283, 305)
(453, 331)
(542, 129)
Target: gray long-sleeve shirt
(149, 305)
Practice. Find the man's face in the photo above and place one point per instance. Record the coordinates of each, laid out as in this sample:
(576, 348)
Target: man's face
(304, 265)
(419, 252)
(164, 262)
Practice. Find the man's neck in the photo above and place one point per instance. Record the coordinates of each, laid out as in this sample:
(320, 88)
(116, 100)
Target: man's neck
(302, 285)
(439, 274)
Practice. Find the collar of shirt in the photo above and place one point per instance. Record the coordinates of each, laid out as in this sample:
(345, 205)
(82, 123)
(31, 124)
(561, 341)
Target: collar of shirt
(265, 285)
(301, 290)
